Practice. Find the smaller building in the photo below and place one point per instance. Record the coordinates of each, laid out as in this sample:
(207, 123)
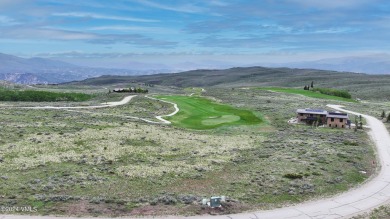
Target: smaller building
(337, 120)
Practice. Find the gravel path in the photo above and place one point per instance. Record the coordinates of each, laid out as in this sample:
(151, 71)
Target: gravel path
(103, 105)
(112, 104)
(369, 195)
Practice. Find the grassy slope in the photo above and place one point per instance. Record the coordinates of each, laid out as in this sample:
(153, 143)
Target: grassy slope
(305, 93)
(359, 85)
(201, 113)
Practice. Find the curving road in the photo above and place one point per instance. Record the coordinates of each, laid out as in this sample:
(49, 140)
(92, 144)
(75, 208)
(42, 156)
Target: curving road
(103, 105)
(370, 195)
(171, 114)
(112, 104)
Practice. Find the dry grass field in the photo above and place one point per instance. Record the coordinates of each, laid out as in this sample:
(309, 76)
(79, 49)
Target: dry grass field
(106, 163)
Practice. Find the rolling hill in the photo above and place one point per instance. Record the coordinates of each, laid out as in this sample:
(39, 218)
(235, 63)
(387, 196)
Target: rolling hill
(360, 85)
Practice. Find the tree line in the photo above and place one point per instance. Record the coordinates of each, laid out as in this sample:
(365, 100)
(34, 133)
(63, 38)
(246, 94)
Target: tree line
(129, 90)
(383, 116)
(41, 96)
(328, 91)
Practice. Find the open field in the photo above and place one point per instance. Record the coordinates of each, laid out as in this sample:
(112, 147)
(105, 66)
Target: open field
(200, 113)
(305, 93)
(107, 164)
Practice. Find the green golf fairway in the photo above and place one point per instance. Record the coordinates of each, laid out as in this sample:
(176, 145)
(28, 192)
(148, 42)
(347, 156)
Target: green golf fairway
(201, 113)
(305, 93)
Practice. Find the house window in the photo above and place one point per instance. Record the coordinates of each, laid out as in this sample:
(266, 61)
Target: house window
(311, 115)
(341, 120)
(342, 126)
(332, 119)
(301, 114)
(330, 125)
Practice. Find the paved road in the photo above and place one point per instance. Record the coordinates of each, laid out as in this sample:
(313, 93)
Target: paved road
(370, 195)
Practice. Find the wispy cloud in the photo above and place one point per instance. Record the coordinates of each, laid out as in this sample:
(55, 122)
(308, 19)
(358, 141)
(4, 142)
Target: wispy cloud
(45, 34)
(7, 21)
(64, 35)
(103, 17)
(6, 3)
(332, 4)
(187, 8)
(133, 39)
(142, 29)
(218, 3)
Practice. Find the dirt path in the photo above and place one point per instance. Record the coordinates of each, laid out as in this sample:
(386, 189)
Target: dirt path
(103, 105)
(371, 194)
(171, 114)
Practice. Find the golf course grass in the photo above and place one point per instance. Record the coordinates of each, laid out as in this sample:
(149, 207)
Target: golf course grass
(201, 113)
(305, 93)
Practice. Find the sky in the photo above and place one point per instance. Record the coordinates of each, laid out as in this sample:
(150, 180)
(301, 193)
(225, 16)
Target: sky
(196, 33)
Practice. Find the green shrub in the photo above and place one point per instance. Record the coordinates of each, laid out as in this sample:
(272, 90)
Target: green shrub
(352, 143)
(333, 92)
(293, 175)
(41, 96)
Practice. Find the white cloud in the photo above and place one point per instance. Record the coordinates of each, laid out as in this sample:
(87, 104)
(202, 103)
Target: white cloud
(100, 16)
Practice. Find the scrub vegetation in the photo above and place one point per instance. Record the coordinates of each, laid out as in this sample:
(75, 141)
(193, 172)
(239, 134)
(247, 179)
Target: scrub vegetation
(237, 143)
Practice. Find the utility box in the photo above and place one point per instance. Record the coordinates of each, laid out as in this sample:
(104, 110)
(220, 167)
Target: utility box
(215, 202)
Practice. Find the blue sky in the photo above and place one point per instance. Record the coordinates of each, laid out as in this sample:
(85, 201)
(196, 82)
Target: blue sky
(166, 33)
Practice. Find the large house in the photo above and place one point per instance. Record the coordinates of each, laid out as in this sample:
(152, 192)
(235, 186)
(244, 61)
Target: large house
(323, 117)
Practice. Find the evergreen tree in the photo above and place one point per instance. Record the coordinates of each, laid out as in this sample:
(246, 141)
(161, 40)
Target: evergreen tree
(312, 84)
(383, 114)
(356, 123)
(388, 118)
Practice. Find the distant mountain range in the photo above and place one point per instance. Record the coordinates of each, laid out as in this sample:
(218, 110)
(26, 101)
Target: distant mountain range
(47, 71)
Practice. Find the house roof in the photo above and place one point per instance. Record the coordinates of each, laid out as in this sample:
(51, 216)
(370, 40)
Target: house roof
(337, 115)
(313, 111)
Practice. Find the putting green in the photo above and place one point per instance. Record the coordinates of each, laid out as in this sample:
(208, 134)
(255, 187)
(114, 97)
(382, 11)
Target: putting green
(220, 120)
(201, 113)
